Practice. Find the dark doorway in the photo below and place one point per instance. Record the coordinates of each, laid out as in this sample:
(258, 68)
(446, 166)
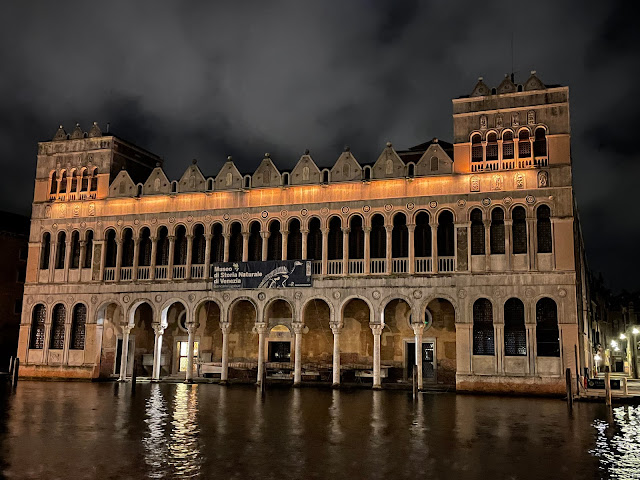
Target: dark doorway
(428, 361)
(279, 351)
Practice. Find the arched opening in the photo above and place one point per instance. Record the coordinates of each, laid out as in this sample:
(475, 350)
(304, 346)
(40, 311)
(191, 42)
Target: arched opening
(199, 245)
(58, 319)
(75, 250)
(84, 180)
(411, 170)
(63, 182)
(524, 145)
(54, 184)
(285, 179)
(547, 332)
(279, 343)
(422, 236)
(543, 215)
(94, 180)
(540, 143)
(74, 181)
(274, 248)
(180, 246)
(314, 240)
(162, 248)
(317, 342)
(235, 243)
(174, 187)
(45, 251)
(78, 324)
(515, 333)
(144, 253)
(446, 240)
(217, 244)
(477, 232)
(111, 249)
(335, 238)
(61, 250)
(247, 181)
(507, 145)
(38, 317)
(142, 340)
(496, 231)
(378, 239)
(439, 343)
(356, 341)
(139, 190)
(397, 340)
(476, 148)
(210, 184)
(434, 164)
(110, 317)
(88, 249)
(366, 171)
(356, 238)
(483, 327)
(400, 237)
(519, 230)
(255, 242)
(243, 351)
(127, 248)
(492, 146)
(209, 335)
(294, 240)
(325, 176)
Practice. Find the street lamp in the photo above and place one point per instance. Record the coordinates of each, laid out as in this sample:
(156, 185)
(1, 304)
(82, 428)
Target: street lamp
(623, 336)
(597, 358)
(614, 344)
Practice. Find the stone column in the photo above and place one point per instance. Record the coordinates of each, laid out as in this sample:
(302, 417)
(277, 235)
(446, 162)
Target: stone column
(335, 328)
(533, 243)
(189, 256)
(52, 258)
(227, 239)
(417, 331)
(434, 246)
(226, 328)
(118, 258)
(345, 250)
(124, 355)
(172, 244)
(83, 256)
(245, 246)
(304, 233)
(554, 220)
(136, 259)
(367, 250)
(207, 256)
(157, 352)
(411, 228)
(262, 330)
(508, 224)
(285, 241)
(154, 248)
(325, 250)
(103, 258)
(297, 369)
(191, 329)
(265, 245)
(389, 266)
(376, 328)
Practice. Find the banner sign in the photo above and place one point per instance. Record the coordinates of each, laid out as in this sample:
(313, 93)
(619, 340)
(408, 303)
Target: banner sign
(270, 274)
(599, 383)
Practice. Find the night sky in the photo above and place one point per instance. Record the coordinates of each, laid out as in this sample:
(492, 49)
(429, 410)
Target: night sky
(209, 79)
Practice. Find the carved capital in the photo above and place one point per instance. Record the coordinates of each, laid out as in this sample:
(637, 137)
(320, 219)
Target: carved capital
(418, 328)
(192, 327)
(297, 328)
(225, 327)
(376, 328)
(159, 329)
(304, 231)
(261, 328)
(172, 238)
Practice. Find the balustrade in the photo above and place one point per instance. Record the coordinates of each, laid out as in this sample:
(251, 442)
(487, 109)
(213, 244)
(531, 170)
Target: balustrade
(400, 265)
(109, 274)
(179, 272)
(126, 273)
(197, 271)
(377, 266)
(334, 267)
(162, 272)
(144, 273)
(423, 265)
(356, 266)
(446, 264)
(316, 267)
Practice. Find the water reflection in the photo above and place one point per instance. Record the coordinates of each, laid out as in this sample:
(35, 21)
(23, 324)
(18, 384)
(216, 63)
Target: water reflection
(618, 443)
(154, 442)
(184, 452)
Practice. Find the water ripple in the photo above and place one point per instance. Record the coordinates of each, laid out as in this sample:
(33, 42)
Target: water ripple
(617, 443)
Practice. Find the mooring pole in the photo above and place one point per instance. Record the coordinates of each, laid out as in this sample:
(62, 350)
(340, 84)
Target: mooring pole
(569, 394)
(607, 387)
(575, 351)
(415, 383)
(133, 378)
(11, 365)
(16, 367)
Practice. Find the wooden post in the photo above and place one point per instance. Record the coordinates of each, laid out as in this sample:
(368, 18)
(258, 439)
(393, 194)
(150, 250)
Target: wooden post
(625, 388)
(11, 365)
(133, 377)
(16, 367)
(575, 351)
(569, 394)
(607, 387)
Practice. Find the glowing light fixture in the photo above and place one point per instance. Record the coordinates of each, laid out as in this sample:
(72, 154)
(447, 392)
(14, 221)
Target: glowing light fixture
(617, 349)
(614, 344)
(622, 336)
(635, 331)
(597, 357)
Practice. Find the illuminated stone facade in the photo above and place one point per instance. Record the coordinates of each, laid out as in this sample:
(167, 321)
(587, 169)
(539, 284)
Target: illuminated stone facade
(468, 249)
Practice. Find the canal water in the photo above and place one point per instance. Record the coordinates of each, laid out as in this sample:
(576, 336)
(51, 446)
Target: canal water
(51, 430)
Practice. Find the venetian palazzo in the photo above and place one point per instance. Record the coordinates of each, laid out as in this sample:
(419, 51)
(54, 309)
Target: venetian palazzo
(465, 255)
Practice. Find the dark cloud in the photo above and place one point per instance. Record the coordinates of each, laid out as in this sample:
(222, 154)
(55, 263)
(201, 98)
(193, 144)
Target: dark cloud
(205, 80)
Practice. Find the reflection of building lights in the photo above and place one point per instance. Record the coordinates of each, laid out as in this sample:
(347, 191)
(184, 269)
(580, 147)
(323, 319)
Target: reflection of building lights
(614, 344)
(622, 336)
(616, 349)
(597, 357)
(635, 331)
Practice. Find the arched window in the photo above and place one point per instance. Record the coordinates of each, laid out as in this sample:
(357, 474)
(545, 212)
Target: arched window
(378, 237)
(543, 214)
(217, 244)
(94, 180)
(45, 251)
(476, 148)
(422, 236)
(174, 187)
(247, 181)
(477, 233)
(88, 249)
(180, 246)
(61, 247)
(356, 237)
(111, 249)
(63, 182)
(314, 240)
(325, 176)
(144, 251)
(57, 327)
(445, 234)
(496, 231)
(492, 146)
(255, 242)
(78, 322)
(84, 180)
(519, 230)
(285, 179)
(210, 184)
(54, 184)
(540, 143)
(37, 327)
(74, 181)
(199, 245)
(547, 332)
(411, 170)
(515, 335)
(482, 327)
(127, 248)
(434, 163)
(274, 249)
(366, 171)
(162, 248)
(235, 243)
(75, 250)
(294, 240)
(335, 238)
(139, 190)
(507, 145)
(399, 237)
(524, 145)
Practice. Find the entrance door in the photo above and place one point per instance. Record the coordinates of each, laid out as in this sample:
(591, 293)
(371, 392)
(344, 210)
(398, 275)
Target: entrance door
(183, 351)
(428, 355)
(279, 351)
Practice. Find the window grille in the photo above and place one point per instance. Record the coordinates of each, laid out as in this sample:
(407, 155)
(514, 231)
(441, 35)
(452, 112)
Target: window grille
(492, 147)
(57, 327)
(519, 228)
(483, 327)
(496, 231)
(37, 327)
(524, 146)
(477, 233)
(544, 229)
(507, 146)
(547, 332)
(476, 149)
(515, 335)
(78, 326)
